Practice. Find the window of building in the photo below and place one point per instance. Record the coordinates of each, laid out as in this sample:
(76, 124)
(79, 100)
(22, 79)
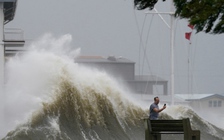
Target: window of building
(219, 103)
(210, 104)
(214, 103)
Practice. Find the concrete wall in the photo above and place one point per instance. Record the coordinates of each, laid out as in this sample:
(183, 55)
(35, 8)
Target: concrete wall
(146, 87)
(124, 71)
(141, 87)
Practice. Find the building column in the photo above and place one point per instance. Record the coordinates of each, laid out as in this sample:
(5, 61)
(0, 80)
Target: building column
(2, 48)
(150, 89)
(2, 67)
(165, 90)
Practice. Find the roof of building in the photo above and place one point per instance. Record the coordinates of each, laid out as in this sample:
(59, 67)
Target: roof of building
(9, 9)
(190, 97)
(101, 59)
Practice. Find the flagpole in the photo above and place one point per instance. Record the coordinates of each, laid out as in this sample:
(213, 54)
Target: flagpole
(172, 53)
(171, 27)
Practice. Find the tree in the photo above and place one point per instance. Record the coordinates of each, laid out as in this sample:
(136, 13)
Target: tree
(205, 15)
(143, 4)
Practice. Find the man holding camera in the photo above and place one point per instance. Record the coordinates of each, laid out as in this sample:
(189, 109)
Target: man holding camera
(154, 109)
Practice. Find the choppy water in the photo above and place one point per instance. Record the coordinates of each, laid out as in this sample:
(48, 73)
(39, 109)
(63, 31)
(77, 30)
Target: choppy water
(49, 97)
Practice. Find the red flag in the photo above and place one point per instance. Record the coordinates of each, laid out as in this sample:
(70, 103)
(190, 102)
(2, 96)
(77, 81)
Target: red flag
(188, 35)
(191, 26)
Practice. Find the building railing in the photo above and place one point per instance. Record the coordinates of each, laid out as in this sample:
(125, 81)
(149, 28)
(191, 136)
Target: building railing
(13, 34)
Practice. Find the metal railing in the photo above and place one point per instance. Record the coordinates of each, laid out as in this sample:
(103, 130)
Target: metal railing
(13, 34)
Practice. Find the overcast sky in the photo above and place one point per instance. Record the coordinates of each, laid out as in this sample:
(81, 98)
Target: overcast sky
(112, 27)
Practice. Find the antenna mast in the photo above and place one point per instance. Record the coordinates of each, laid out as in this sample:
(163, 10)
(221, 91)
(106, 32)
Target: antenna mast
(171, 27)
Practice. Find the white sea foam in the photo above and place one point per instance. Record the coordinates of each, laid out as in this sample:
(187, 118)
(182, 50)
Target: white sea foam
(31, 77)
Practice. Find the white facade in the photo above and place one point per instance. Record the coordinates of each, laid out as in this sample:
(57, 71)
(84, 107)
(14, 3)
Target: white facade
(2, 48)
(204, 102)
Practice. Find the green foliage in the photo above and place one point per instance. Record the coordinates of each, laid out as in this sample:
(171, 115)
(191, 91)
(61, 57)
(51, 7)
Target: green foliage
(143, 4)
(205, 15)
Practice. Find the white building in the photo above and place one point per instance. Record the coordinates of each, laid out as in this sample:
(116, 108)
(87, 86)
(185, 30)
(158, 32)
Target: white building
(7, 13)
(202, 102)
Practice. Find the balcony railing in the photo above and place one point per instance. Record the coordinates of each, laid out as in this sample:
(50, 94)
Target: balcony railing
(13, 35)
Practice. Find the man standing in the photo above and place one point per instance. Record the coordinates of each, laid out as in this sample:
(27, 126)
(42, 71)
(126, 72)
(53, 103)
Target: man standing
(154, 109)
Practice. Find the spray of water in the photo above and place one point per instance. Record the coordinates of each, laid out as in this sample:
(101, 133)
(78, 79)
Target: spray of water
(31, 77)
(46, 91)
(34, 80)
